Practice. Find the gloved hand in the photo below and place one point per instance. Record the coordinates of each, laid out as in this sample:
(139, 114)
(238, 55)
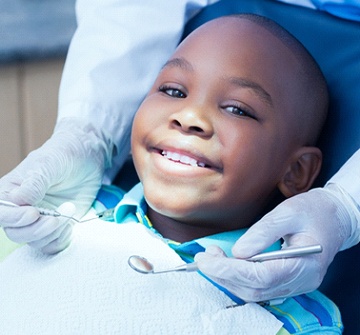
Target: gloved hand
(321, 216)
(50, 235)
(68, 167)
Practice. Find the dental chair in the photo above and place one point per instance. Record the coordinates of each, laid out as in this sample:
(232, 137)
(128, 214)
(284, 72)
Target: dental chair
(335, 44)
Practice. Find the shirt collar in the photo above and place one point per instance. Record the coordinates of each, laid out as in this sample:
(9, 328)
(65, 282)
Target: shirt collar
(132, 202)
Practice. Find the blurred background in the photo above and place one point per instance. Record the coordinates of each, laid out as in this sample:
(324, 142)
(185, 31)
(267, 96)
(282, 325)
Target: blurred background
(34, 39)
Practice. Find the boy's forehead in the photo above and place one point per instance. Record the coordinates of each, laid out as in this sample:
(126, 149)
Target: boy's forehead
(227, 28)
(235, 38)
(232, 32)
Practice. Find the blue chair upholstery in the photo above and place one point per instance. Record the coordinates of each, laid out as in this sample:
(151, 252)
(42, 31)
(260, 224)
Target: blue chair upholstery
(335, 44)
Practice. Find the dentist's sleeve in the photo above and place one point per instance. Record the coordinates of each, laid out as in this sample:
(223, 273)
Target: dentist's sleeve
(347, 179)
(115, 55)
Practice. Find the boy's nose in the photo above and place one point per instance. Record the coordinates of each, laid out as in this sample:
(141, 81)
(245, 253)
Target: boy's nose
(192, 122)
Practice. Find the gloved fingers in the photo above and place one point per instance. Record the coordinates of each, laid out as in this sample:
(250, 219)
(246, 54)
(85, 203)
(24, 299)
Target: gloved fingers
(67, 209)
(235, 275)
(17, 217)
(232, 269)
(31, 191)
(38, 230)
(69, 166)
(61, 243)
(57, 241)
(212, 250)
(299, 240)
(83, 203)
(29, 181)
(310, 218)
(260, 281)
(9, 182)
(280, 222)
(47, 233)
(61, 237)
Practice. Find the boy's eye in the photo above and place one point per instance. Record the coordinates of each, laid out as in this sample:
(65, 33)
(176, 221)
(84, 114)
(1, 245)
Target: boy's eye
(172, 92)
(239, 111)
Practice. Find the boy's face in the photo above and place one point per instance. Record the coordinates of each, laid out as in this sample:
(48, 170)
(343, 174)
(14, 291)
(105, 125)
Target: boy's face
(211, 140)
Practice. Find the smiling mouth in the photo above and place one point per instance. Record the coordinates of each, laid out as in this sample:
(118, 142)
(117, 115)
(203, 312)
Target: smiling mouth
(176, 157)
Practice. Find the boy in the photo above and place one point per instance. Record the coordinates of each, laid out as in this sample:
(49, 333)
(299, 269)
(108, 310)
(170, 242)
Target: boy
(231, 120)
(225, 120)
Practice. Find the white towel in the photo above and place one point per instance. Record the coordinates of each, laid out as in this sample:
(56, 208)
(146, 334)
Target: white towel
(90, 289)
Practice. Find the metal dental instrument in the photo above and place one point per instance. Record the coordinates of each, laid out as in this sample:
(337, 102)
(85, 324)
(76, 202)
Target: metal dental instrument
(287, 253)
(42, 211)
(142, 265)
(105, 215)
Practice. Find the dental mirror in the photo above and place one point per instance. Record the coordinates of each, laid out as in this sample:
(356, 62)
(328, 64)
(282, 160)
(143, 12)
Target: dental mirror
(142, 265)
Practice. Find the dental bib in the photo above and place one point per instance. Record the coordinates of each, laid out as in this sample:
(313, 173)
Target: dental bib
(90, 289)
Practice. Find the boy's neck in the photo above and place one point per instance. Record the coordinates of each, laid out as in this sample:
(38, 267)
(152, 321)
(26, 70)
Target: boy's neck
(177, 230)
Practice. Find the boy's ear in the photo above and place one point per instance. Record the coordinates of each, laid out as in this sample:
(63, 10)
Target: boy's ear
(303, 168)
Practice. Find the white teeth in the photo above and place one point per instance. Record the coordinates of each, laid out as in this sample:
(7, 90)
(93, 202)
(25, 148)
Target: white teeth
(176, 157)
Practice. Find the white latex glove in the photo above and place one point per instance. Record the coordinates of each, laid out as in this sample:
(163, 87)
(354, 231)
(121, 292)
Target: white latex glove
(68, 167)
(320, 216)
(50, 235)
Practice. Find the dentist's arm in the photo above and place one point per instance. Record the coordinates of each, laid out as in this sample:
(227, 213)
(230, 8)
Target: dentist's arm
(115, 55)
(329, 216)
